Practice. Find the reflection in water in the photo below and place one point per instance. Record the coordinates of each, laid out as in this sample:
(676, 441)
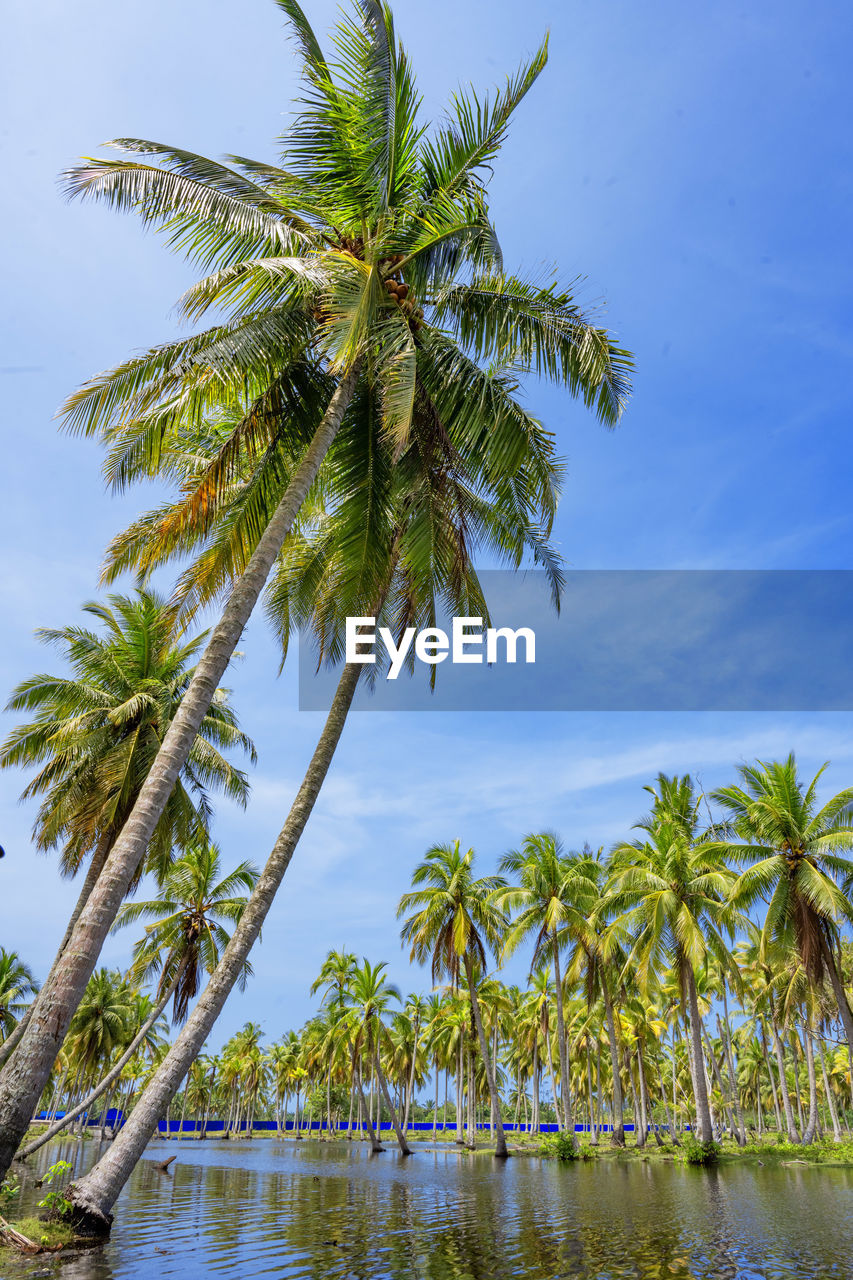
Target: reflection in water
(314, 1210)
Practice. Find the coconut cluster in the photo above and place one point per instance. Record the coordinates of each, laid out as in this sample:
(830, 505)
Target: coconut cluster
(399, 291)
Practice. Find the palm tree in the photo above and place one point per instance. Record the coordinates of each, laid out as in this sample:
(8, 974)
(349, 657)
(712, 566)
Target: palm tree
(794, 850)
(673, 887)
(368, 997)
(454, 920)
(553, 898)
(474, 460)
(186, 939)
(324, 268)
(97, 731)
(17, 987)
(188, 934)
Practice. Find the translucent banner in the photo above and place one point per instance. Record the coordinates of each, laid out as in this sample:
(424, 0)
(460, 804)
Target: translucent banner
(625, 640)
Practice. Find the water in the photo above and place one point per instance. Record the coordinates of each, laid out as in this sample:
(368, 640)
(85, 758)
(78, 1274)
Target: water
(329, 1211)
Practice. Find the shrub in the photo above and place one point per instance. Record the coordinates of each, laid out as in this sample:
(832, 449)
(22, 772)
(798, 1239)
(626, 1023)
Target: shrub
(696, 1152)
(561, 1145)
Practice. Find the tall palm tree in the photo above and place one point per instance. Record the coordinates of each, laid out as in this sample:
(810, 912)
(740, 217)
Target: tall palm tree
(454, 921)
(674, 886)
(370, 256)
(794, 851)
(553, 897)
(473, 460)
(17, 988)
(97, 731)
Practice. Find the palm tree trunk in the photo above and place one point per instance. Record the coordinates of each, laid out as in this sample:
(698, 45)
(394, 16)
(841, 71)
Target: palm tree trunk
(565, 1096)
(96, 866)
(501, 1148)
(769, 1068)
(459, 1119)
(725, 1033)
(793, 1135)
(700, 1088)
(593, 1132)
(24, 1077)
(830, 1101)
(617, 1135)
(435, 1107)
(811, 1126)
(837, 990)
(375, 1144)
(111, 1075)
(97, 1192)
(383, 1089)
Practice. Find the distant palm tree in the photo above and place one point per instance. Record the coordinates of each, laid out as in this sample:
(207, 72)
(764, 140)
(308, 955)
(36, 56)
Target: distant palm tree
(188, 933)
(795, 853)
(101, 1023)
(454, 920)
(674, 886)
(368, 998)
(17, 987)
(554, 898)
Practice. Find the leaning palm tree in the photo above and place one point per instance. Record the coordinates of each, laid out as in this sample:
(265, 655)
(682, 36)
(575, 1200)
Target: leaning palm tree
(17, 988)
(795, 851)
(370, 257)
(454, 920)
(673, 886)
(97, 730)
(186, 938)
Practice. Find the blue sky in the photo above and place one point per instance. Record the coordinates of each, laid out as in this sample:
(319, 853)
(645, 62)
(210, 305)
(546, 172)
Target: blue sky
(694, 164)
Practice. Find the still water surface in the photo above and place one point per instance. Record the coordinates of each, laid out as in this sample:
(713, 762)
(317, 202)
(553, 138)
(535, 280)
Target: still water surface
(330, 1211)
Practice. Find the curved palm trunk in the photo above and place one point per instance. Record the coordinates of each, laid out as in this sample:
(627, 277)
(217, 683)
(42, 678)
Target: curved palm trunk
(111, 1075)
(94, 1195)
(617, 1136)
(700, 1087)
(364, 1109)
(838, 991)
(25, 1076)
(501, 1148)
(386, 1098)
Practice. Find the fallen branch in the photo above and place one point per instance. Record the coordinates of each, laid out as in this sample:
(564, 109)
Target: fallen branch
(22, 1243)
(164, 1167)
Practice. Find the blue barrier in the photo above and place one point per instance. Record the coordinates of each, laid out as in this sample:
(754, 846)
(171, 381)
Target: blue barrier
(115, 1118)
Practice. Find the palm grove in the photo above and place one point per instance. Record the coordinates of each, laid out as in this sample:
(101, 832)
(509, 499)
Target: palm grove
(656, 995)
(343, 440)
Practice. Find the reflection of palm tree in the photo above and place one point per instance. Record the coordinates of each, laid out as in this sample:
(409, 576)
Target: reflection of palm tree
(454, 919)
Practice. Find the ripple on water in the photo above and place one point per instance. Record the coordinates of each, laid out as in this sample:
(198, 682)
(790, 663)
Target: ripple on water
(328, 1211)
